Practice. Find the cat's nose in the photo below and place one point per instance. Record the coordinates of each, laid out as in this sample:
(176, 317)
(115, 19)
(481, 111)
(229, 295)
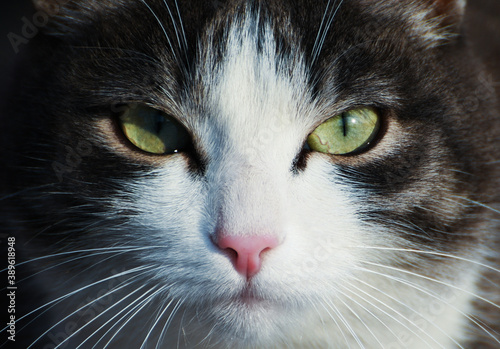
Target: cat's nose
(246, 252)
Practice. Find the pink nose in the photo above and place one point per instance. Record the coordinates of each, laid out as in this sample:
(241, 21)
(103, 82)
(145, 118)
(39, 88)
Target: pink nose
(246, 251)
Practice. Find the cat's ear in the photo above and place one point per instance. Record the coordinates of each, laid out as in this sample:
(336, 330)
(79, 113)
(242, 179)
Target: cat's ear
(436, 22)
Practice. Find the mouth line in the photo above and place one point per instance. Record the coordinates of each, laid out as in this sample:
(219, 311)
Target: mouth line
(249, 297)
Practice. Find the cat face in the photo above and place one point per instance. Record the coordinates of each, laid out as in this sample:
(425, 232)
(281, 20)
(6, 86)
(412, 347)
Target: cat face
(250, 174)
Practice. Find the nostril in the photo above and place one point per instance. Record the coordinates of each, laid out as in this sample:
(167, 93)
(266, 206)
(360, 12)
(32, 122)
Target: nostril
(232, 254)
(246, 251)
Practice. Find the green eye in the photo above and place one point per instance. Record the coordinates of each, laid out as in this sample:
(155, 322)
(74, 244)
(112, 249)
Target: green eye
(346, 133)
(153, 131)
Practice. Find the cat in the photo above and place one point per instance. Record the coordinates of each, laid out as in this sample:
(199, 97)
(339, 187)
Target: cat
(254, 174)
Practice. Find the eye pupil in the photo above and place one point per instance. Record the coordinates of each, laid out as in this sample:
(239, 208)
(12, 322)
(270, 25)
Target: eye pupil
(159, 125)
(344, 125)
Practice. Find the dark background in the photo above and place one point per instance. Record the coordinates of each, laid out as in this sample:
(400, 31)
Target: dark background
(11, 14)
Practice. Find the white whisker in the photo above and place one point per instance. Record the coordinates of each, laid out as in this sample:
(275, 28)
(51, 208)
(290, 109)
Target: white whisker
(319, 34)
(392, 317)
(73, 260)
(76, 311)
(399, 313)
(345, 322)
(67, 281)
(104, 250)
(174, 23)
(333, 318)
(402, 304)
(360, 319)
(112, 318)
(416, 287)
(59, 299)
(144, 303)
(435, 281)
(183, 31)
(168, 322)
(127, 310)
(325, 31)
(158, 318)
(433, 253)
(477, 203)
(173, 51)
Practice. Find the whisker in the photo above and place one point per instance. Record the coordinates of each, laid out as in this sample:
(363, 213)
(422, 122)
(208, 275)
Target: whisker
(397, 312)
(104, 250)
(416, 287)
(74, 312)
(128, 309)
(181, 330)
(145, 303)
(183, 31)
(25, 190)
(325, 31)
(109, 320)
(392, 317)
(73, 260)
(158, 318)
(435, 281)
(477, 203)
(67, 281)
(316, 42)
(345, 322)
(439, 254)
(314, 305)
(360, 319)
(335, 321)
(82, 289)
(404, 305)
(208, 336)
(162, 28)
(174, 23)
(46, 228)
(168, 322)
(96, 317)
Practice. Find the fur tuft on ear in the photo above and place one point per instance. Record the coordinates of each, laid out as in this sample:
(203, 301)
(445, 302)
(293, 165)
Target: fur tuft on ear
(436, 22)
(431, 22)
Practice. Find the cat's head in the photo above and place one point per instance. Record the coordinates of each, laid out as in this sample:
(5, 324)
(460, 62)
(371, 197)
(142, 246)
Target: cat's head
(254, 166)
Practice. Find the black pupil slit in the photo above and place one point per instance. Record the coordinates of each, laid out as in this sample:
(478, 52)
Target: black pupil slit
(158, 124)
(344, 125)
